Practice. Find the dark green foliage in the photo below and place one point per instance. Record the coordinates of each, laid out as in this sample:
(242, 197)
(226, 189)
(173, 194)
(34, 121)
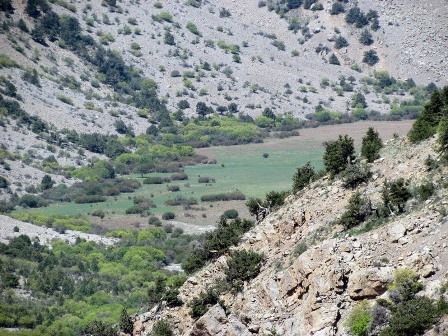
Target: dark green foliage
(153, 180)
(371, 145)
(308, 3)
(355, 174)
(230, 196)
(292, 4)
(357, 17)
(168, 38)
(46, 182)
(136, 209)
(340, 42)
(153, 220)
(126, 324)
(82, 199)
(183, 104)
(357, 211)
(224, 13)
(162, 328)
(32, 201)
(442, 132)
(337, 8)
(99, 328)
(366, 37)
(4, 183)
(395, 195)
(230, 214)
(181, 201)
(99, 213)
(6, 6)
(216, 243)
(425, 190)
(338, 154)
(168, 215)
(201, 304)
(243, 266)
(173, 188)
(370, 57)
(334, 60)
(359, 100)
(35, 7)
(31, 76)
(275, 199)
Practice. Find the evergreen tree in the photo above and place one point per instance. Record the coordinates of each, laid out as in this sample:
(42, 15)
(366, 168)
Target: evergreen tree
(6, 6)
(334, 60)
(371, 145)
(303, 176)
(358, 209)
(366, 37)
(294, 4)
(126, 324)
(426, 124)
(370, 57)
(46, 182)
(442, 140)
(338, 154)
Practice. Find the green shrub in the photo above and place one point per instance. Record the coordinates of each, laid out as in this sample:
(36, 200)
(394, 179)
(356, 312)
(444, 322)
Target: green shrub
(89, 199)
(99, 213)
(153, 180)
(206, 179)
(32, 201)
(243, 266)
(371, 145)
(201, 304)
(181, 201)
(230, 196)
(340, 42)
(303, 177)
(231, 214)
(173, 188)
(359, 319)
(136, 209)
(337, 8)
(4, 183)
(334, 60)
(162, 328)
(64, 99)
(153, 220)
(168, 215)
(337, 154)
(425, 190)
(355, 174)
(395, 194)
(370, 57)
(193, 28)
(357, 211)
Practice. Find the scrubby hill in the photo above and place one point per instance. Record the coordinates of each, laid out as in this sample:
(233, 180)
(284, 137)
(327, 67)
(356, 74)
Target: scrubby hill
(118, 67)
(316, 273)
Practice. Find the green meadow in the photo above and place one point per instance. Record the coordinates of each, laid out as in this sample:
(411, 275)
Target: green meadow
(242, 167)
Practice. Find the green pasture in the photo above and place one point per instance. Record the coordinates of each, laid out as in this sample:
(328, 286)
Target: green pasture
(240, 168)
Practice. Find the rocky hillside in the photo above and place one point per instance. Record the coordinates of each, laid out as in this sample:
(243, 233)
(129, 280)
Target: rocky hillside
(81, 65)
(315, 272)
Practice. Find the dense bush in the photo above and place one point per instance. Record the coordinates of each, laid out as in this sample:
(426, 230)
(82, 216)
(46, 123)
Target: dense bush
(303, 177)
(216, 243)
(338, 154)
(181, 201)
(4, 183)
(370, 57)
(340, 42)
(337, 8)
(153, 180)
(201, 304)
(355, 174)
(357, 17)
(206, 179)
(371, 145)
(243, 266)
(168, 215)
(395, 194)
(81, 199)
(230, 214)
(357, 211)
(230, 196)
(32, 201)
(359, 319)
(173, 188)
(161, 328)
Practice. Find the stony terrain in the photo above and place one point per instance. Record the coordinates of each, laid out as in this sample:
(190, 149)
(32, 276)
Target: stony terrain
(10, 228)
(411, 43)
(312, 293)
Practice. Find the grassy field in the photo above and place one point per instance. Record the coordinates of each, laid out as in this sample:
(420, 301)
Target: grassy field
(242, 168)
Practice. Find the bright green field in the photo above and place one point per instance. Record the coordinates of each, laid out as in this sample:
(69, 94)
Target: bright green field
(245, 169)
(241, 168)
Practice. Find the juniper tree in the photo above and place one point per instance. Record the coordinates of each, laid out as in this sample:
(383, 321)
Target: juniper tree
(371, 145)
(338, 154)
(303, 176)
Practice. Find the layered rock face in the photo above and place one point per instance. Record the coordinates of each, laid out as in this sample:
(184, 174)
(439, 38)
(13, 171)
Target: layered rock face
(313, 292)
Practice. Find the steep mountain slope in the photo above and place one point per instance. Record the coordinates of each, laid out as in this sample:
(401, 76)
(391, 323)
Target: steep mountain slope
(311, 290)
(233, 57)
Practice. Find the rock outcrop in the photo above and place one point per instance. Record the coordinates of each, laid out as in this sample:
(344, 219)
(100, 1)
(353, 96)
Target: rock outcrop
(312, 293)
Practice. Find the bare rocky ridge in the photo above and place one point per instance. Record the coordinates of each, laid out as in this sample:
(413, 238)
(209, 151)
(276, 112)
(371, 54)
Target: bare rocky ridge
(311, 294)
